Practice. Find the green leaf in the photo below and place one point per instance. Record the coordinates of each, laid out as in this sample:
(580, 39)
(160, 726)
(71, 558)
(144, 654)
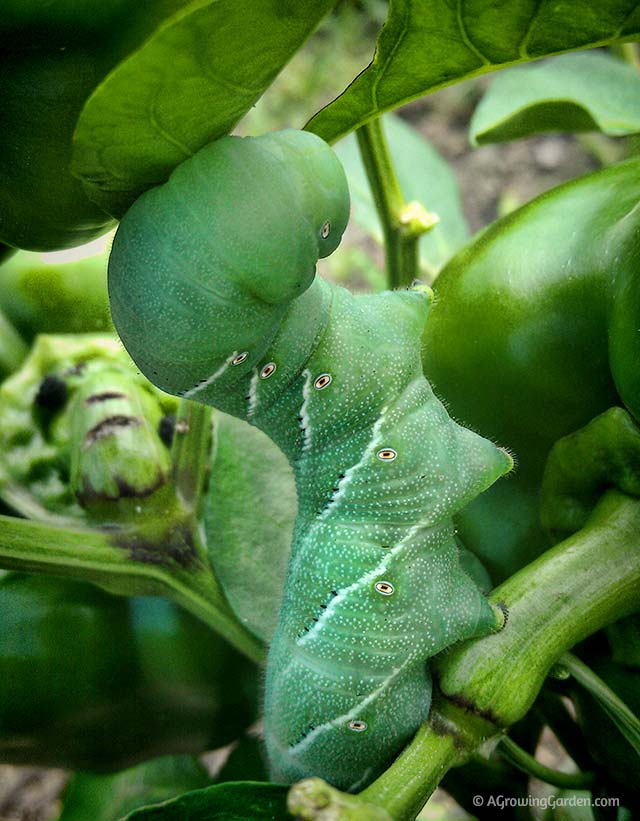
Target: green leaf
(249, 512)
(109, 797)
(188, 84)
(233, 801)
(42, 206)
(423, 176)
(428, 44)
(575, 92)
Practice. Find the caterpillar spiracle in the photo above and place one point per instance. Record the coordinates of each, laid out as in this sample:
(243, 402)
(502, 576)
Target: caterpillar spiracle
(213, 291)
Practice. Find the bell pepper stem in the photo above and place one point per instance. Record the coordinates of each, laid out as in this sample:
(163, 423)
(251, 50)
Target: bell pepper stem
(521, 759)
(123, 563)
(402, 223)
(190, 452)
(313, 798)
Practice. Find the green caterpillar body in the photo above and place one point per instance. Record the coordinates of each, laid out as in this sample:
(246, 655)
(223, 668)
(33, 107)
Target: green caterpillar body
(237, 320)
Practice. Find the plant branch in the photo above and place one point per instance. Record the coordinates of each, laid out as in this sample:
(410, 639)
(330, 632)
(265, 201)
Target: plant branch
(123, 561)
(402, 223)
(190, 452)
(521, 759)
(626, 721)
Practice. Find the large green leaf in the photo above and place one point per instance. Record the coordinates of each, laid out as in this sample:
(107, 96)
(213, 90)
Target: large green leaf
(188, 84)
(574, 92)
(424, 176)
(109, 797)
(233, 801)
(249, 513)
(428, 44)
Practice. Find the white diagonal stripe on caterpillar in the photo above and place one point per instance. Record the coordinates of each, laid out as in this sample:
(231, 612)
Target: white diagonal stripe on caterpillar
(370, 576)
(361, 781)
(349, 473)
(253, 395)
(352, 714)
(210, 380)
(305, 421)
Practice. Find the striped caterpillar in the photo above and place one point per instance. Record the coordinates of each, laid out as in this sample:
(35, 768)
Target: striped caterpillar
(213, 291)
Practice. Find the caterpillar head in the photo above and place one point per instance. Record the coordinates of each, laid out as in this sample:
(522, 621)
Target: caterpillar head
(204, 267)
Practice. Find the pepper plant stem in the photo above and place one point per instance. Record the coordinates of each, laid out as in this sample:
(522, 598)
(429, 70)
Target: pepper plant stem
(401, 241)
(190, 452)
(627, 722)
(108, 559)
(521, 759)
(485, 685)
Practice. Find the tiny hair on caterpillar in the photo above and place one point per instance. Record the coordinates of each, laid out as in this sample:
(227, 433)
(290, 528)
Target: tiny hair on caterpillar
(213, 289)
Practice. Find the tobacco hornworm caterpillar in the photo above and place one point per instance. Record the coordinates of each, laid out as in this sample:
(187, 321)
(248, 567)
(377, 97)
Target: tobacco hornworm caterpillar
(213, 290)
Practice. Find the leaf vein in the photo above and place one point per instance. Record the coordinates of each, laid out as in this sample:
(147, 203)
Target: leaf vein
(524, 42)
(467, 38)
(618, 31)
(381, 72)
(155, 123)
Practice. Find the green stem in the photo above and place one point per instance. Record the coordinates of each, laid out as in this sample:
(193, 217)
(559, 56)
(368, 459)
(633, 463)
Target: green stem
(314, 799)
(485, 685)
(626, 721)
(402, 223)
(123, 563)
(521, 759)
(405, 787)
(190, 453)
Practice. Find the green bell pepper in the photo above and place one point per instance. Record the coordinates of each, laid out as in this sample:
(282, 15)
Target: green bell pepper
(534, 331)
(97, 682)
